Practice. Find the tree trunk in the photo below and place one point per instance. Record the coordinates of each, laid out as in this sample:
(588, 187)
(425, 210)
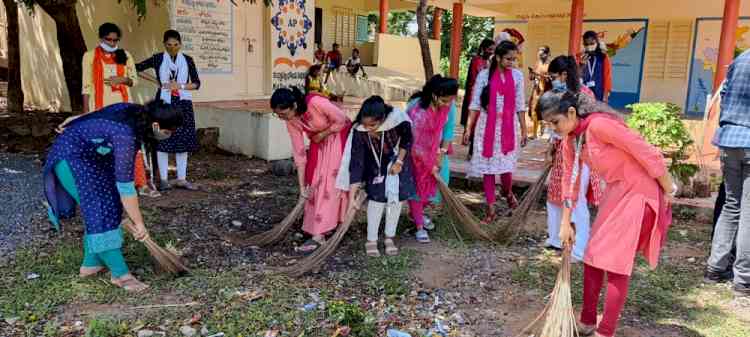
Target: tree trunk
(15, 90)
(72, 45)
(424, 43)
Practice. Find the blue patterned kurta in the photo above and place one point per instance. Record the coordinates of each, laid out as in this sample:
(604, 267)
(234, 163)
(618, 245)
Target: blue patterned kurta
(184, 138)
(100, 150)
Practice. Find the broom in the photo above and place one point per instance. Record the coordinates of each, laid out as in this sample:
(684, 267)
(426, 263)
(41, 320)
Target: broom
(558, 318)
(316, 259)
(458, 211)
(272, 235)
(510, 229)
(165, 259)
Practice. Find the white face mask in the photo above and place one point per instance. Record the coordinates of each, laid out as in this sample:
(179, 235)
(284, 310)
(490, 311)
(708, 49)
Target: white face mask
(591, 48)
(107, 48)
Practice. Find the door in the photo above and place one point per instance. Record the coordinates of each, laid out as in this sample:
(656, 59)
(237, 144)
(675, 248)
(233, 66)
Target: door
(252, 47)
(318, 26)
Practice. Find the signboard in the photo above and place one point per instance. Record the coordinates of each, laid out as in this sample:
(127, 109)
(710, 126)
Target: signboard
(704, 61)
(626, 47)
(292, 41)
(206, 30)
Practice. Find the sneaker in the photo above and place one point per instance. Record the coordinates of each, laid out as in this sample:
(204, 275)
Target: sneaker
(428, 224)
(741, 290)
(422, 236)
(712, 277)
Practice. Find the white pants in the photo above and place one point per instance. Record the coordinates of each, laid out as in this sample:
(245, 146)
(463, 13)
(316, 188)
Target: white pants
(375, 215)
(580, 217)
(163, 161)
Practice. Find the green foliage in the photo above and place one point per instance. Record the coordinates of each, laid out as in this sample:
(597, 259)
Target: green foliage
(398, 23)
(475, 29)
(661, 126)
(352, 315)
(106, 327)
(463, 68)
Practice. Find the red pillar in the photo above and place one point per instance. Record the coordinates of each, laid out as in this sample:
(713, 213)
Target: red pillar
(456, 37)
(383, 16)
(728, 40)
(576, 27)
(437, 23)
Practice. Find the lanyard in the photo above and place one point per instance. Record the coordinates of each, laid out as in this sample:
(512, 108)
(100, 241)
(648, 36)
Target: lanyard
(592, 67)
(378, 157)
(576, 164)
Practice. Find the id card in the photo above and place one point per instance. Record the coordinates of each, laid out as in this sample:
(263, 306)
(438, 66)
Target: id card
(591, 84)
(378, 180)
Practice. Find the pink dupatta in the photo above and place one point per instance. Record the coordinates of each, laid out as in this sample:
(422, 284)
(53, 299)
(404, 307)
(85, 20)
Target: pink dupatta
(506, 88)
(314, 151)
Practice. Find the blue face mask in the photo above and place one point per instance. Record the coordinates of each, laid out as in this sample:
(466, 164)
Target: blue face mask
(558, 85)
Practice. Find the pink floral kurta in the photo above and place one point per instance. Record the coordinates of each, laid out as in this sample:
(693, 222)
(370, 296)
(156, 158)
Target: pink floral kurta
(629, 166)
(326, 207)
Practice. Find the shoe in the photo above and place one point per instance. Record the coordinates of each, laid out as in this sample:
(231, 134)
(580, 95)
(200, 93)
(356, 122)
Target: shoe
(712, 277)
(586, 330)
(422, 236)
(186, 185)
(741, 290)
(428, 224)
(164, 185)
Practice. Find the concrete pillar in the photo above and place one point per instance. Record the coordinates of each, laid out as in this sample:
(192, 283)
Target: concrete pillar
(437, 23)
(576, 27)
(456, 38)
(728, 40)
(383, 16)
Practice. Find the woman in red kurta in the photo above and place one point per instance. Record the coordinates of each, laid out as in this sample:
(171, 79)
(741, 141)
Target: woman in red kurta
(634, 213)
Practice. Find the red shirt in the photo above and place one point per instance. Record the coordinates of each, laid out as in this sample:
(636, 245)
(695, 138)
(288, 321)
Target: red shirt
(334, 57)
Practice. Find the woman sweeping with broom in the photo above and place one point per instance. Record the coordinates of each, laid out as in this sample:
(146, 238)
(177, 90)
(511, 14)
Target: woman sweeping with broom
(433, 115)
(326, 126)
(91, 164)
(634, 214)
(497, 108)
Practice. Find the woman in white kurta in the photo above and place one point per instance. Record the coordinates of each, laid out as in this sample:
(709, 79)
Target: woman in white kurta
(497, 153)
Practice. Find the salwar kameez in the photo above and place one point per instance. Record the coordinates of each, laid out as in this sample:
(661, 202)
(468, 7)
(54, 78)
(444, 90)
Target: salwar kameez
(430, 128)
(91, 164)
(327, 205)
(633, 215)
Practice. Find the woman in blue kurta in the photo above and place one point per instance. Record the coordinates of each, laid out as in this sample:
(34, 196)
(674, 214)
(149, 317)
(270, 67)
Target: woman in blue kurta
(178, 76)
(91, 164)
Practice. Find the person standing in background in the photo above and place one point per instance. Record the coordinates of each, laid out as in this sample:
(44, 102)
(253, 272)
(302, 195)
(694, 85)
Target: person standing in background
(597, 68)
(479, 62)
(540, 83)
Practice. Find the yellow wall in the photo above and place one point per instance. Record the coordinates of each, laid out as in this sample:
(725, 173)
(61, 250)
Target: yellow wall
(41, 70)
(662, 11)
(403, 54)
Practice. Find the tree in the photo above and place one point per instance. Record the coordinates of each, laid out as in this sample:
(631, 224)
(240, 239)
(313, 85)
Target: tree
(424, 44)
(398, 23)
(15, 91)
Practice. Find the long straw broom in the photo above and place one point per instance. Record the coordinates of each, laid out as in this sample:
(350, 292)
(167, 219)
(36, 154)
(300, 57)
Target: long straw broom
(458, 211)
(316, 259)
(272, 235)
(510, 229)
(165, 259)
(558, 318)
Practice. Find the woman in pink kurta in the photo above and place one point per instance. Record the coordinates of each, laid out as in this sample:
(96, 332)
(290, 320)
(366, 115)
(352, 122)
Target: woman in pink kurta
(634, 213)
(326, 126)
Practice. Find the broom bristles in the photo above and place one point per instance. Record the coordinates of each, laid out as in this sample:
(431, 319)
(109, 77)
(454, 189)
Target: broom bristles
(165, 259)
(511, 228)
(557, 319)
(272, 235)
(460, 213)
(317, 258)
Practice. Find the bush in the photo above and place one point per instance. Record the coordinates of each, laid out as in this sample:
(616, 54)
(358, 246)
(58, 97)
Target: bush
(660, 124)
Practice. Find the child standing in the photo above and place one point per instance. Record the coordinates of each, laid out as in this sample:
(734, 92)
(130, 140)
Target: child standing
(377, 157)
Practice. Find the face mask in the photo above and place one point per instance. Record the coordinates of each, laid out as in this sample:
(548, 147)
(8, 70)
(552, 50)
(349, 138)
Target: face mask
(591, 48)
(558, 85)
(107, 48)
(159, 134)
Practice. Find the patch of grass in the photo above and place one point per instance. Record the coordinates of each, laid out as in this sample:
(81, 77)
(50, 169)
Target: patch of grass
(106, 327)
(216, 173)
(389, 275)
(362, 324)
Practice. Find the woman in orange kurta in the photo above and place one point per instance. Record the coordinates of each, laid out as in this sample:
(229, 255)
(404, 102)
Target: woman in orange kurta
(327, 127)
(634, 213)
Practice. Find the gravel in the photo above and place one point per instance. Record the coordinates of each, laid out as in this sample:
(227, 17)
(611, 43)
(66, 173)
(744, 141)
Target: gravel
(22, 197)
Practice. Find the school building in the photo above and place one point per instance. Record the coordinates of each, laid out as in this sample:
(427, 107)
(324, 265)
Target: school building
(662, 50)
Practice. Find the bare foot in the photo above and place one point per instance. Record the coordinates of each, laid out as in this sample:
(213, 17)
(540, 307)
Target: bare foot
(84, 272)
(129, 283)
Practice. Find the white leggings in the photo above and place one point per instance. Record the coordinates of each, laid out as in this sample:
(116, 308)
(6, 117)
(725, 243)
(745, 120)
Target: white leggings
(163, 160)
(375, 215)
(580, 217)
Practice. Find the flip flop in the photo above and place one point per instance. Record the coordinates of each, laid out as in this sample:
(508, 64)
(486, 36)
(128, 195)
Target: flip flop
(186, 185)
(309, 247)
(85, 272)
(390, 247)
(129, 284)
(371, 248)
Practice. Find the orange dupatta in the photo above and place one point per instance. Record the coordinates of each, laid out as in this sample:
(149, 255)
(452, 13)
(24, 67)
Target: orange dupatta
(100, 59)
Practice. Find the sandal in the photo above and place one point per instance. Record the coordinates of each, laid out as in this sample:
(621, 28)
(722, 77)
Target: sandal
(164, 186)
(147, 192)
(186, 185)
(371, 248)
(586, 330)
(309, 247)
(428, 224)
(491, 215)
(512, 201)
(422, 236)
(85, 272)
(390, 247)
(129, 283)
